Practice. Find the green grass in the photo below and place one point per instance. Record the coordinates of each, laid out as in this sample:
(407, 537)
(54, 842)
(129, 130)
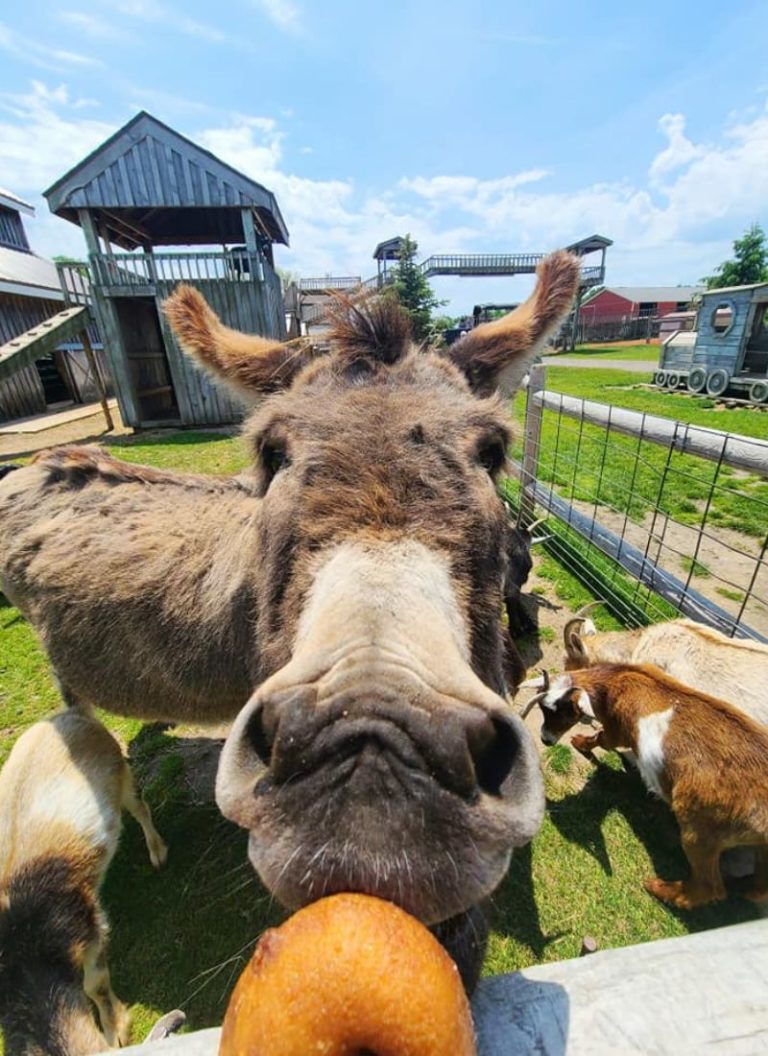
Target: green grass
(181, 936)
(635, 478)
(696, 568)
(624, 389)
(583, 873)
(732, 595)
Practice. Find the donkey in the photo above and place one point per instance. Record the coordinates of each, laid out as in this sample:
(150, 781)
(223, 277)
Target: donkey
(341, 598)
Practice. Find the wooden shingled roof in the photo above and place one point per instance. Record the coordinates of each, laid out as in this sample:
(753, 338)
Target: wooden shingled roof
(148, 184)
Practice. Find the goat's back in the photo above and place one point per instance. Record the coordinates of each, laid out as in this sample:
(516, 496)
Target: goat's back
(732, 669)
(60, 794)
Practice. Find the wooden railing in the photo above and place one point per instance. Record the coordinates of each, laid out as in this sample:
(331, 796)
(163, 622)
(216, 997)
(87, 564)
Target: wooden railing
(330, 282)
(146, 269)
(481, 264)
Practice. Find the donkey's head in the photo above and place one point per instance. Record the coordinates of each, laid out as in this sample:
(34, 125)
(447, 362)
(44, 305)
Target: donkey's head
(378, 754)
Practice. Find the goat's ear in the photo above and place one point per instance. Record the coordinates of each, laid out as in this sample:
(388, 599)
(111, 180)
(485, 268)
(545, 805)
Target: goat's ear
(252, 366)
(584, 703)
(496, 355)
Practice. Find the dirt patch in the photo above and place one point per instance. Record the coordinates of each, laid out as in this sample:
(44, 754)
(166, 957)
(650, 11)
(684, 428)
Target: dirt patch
(732, 560)
(83, 430)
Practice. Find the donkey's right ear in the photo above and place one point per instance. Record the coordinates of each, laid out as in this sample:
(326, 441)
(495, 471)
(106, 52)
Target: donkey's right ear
(252, 366)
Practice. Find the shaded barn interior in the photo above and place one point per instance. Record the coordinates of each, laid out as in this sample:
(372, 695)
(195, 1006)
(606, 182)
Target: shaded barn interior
(139, 197)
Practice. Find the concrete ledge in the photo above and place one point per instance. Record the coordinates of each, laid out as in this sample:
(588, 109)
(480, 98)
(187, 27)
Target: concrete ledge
(704, 993)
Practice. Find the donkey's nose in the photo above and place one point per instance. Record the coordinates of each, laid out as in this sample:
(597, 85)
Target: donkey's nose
(466, 750)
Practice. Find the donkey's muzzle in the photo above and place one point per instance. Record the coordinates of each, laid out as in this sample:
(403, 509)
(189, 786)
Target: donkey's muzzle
(466, 750)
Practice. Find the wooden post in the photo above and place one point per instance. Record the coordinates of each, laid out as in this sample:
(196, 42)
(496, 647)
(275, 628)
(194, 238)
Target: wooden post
(530, 465)
(251, 242)
(90, 356)
(575, 324)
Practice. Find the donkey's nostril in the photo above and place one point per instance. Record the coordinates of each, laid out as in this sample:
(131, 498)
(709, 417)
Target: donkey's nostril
(494, 755)
(259, 738)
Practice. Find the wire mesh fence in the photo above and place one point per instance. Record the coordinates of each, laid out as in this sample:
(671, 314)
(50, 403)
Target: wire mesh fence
(658, 518)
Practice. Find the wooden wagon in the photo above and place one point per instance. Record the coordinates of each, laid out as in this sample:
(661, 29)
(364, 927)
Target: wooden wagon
(727, 351)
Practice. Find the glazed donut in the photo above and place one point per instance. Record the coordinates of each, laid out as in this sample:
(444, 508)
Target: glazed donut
(346, 976)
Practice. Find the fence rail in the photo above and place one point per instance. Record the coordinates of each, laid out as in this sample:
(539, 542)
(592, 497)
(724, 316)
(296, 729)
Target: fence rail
(658, 517)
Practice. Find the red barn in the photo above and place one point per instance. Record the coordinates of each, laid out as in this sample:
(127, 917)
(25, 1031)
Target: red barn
(636, 302)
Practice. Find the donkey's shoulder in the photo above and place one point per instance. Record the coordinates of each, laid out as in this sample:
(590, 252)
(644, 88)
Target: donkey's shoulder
(77, 466)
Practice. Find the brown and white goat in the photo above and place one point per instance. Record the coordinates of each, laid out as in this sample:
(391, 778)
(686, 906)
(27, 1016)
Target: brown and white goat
(735, 669)
(705, 758)
(61, 794)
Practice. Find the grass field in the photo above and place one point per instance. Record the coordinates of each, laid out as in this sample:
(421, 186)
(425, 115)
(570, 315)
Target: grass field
(181, 936)
(633, 478)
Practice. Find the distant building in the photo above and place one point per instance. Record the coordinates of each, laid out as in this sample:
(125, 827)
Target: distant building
(30, 293)
(636, 302)
(157, 209)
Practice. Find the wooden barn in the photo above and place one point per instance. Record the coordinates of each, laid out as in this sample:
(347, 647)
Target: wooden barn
(30, 294)
(147, 187)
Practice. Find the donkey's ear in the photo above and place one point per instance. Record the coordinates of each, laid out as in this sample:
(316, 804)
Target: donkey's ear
(496, 355)
(253, 366)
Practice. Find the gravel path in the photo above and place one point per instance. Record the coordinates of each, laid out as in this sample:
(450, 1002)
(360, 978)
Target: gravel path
(635, 366)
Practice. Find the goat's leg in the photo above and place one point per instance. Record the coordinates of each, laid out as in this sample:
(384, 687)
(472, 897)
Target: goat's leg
(115, 1017)
(134, 803)
(586, 743)
(759, 890)
(705, 883)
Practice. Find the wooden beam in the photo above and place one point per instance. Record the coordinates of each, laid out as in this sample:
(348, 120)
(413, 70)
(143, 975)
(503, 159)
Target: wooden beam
(89, 355)
(741, 452)
(22, 351)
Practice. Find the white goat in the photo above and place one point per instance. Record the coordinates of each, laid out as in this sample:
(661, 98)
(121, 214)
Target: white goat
(61, 794)
(733, 669)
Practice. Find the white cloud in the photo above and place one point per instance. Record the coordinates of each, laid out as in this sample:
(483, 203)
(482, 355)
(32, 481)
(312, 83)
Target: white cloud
(284, 13)
(40, 140)
(91, 25)
(673, 225)
(679, 151)
(42, 55)
(159, 14)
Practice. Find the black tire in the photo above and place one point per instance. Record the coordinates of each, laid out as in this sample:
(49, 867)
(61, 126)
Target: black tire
(697, 379)
(673, 380)
(660, 378)
(758, 392)
(717, 382)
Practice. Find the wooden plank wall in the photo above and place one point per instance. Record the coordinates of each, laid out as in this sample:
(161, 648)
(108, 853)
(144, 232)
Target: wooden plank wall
(251, 307)
(722, 350)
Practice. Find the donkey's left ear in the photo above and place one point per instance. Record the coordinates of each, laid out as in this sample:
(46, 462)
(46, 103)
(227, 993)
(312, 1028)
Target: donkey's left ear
(253, 366)
(496, 355)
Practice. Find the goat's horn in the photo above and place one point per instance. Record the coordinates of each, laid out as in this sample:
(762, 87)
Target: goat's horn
(571, 625)
(543, 682)
(542, 539)
(541, 520)
(588, 608)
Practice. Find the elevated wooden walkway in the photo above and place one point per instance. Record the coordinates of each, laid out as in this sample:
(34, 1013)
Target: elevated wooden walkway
(468, 264)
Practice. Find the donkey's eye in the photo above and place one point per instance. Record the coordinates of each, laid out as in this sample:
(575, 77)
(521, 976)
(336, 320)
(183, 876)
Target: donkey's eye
(274, 457)
(491, 455)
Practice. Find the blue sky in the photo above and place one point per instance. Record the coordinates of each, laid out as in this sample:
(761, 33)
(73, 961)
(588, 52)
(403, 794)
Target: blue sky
(480, 126)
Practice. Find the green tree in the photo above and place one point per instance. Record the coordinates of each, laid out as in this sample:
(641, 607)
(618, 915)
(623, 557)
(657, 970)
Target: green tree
(749, 264)
(412, 289)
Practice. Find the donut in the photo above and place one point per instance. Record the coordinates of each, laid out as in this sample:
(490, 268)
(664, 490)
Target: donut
(349, 975)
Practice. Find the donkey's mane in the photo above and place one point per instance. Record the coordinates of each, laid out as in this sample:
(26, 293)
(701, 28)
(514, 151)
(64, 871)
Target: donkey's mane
(369, 324)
